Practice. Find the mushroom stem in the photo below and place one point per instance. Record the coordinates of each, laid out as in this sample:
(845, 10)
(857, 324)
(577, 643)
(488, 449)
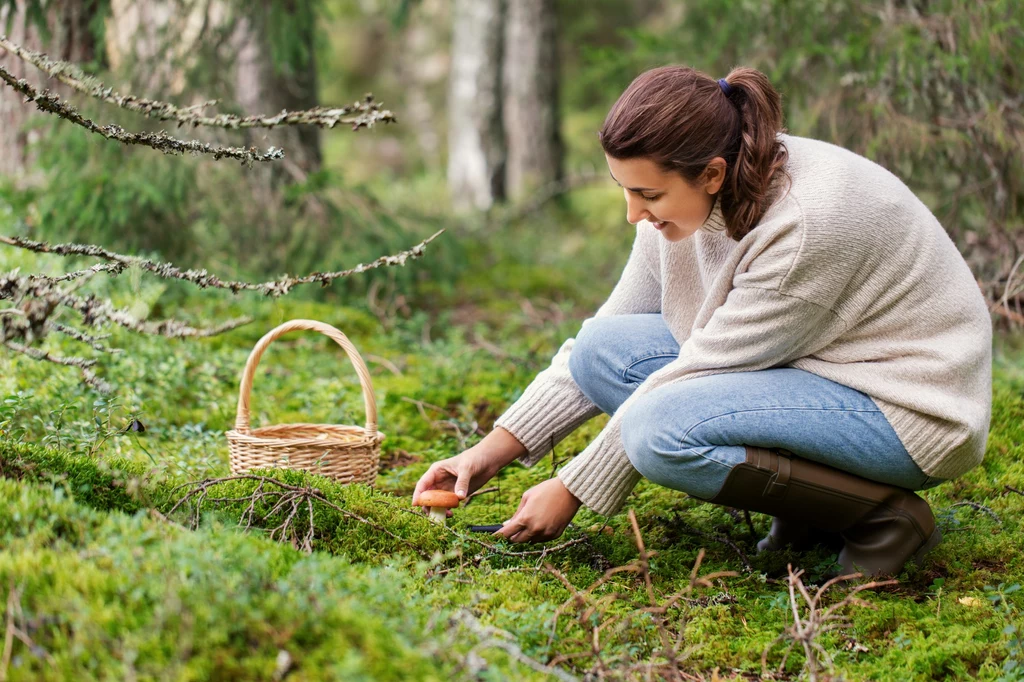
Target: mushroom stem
(438, 514)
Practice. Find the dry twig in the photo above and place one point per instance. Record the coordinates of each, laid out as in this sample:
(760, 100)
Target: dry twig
(292, 497)
(980, 507)
(20, 632)
(500, 639)
(806, 630)
(592, 614)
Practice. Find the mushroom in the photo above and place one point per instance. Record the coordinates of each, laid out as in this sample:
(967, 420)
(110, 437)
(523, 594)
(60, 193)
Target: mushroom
(439, 501)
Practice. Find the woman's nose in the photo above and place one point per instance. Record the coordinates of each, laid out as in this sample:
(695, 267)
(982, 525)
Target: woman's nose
(635, 211)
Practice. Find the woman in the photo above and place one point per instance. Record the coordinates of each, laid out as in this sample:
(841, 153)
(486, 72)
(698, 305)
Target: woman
(794, 333)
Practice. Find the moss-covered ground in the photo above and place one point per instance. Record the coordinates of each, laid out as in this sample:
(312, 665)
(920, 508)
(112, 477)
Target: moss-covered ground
(102, 580)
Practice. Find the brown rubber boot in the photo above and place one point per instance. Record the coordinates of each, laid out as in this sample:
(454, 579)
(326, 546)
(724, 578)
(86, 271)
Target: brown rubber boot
(882, 526)
(799, 536)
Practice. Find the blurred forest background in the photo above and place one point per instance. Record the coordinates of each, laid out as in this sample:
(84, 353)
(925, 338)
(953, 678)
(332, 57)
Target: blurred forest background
(497, 107)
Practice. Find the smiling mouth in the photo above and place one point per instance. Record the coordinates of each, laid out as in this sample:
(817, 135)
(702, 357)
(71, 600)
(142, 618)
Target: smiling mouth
(659, 224)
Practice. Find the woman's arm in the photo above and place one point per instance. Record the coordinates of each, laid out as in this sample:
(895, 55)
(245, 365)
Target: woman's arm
(553, 406)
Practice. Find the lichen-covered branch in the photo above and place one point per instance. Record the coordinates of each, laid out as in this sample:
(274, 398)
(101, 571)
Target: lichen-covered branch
(40, 299)
(117, 263)
(361, 114)
(88, 375)
(160, 141)
(36, 300)
(92, 340)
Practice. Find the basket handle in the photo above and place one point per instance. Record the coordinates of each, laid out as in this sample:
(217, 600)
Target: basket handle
(242, 415)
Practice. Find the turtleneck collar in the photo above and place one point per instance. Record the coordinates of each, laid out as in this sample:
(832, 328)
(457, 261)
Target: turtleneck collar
(716, 221)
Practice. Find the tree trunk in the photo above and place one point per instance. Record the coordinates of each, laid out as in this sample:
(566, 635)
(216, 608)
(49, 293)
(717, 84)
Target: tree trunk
(476, 145)
(422, 67)
(531, 117)
(261, 87)
(70, 39)
(159, 46)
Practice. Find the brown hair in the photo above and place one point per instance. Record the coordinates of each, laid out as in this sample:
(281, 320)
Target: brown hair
(681, 119)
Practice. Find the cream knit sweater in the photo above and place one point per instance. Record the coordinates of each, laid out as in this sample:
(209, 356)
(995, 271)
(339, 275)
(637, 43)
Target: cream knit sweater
(848, 276)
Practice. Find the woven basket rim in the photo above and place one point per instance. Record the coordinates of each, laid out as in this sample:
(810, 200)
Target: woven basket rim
(254, 435)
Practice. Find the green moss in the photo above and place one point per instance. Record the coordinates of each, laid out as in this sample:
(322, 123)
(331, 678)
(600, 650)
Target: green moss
(77, 532)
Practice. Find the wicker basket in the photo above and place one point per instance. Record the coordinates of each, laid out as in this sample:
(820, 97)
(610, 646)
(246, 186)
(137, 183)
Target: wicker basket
(345, 453)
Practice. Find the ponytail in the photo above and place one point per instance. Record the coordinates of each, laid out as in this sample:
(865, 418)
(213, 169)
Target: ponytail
(760, 156)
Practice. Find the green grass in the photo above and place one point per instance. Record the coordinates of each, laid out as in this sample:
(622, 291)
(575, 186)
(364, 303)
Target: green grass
(106, 587)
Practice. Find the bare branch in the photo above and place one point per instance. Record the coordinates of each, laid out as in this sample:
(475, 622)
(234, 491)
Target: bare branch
(361, 114)
(52, 104)
(88, 375)
(201, 278)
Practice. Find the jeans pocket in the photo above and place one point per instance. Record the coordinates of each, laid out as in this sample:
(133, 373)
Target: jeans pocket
(637, 371)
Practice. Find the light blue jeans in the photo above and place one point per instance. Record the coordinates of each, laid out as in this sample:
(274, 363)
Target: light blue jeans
(687, 436)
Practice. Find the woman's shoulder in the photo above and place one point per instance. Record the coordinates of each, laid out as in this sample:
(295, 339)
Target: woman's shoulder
(826, 178)
(818, 163)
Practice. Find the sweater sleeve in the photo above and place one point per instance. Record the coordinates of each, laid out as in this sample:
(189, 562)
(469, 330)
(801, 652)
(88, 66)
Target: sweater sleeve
(552, 406)
(756, 328)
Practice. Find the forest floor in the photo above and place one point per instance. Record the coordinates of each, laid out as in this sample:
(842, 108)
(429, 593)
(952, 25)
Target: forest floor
(104, 575)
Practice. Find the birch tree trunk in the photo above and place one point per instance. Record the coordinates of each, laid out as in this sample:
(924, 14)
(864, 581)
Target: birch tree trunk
(70, 39)
(531, 118)
(476, 144)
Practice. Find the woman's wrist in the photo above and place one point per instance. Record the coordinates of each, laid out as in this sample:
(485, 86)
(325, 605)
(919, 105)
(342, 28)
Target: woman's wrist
(575, 500)
(500, 448)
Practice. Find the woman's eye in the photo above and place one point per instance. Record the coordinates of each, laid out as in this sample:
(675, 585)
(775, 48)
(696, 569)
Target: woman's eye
(646, 198)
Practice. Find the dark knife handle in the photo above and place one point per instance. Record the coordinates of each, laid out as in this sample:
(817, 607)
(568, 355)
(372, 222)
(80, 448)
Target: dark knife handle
(486, 529)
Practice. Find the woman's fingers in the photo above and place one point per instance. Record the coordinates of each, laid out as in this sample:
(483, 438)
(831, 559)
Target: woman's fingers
(426, 480)
(430, 480)
(510, 528)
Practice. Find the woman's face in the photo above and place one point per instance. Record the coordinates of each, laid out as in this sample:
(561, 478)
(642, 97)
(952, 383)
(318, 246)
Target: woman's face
(670, 203)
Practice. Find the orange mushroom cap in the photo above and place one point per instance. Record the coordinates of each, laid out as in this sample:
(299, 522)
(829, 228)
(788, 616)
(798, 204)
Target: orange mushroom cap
(437, 498)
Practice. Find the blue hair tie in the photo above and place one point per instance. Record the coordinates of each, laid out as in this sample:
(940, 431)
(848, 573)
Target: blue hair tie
(726, 88)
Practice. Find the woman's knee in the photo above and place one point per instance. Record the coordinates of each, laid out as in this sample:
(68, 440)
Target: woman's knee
(657, 448)
(586, 361)
(644, 435)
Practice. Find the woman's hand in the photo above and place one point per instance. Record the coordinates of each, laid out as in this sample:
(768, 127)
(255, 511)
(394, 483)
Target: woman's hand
(543, 514)
(466, 472)
(463, 474)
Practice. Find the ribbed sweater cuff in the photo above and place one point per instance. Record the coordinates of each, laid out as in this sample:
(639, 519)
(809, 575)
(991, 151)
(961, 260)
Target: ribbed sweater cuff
(601, 476)
(932, 446)
(544, 415)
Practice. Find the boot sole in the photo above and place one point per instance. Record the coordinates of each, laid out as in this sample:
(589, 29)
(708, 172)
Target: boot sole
(929, 545)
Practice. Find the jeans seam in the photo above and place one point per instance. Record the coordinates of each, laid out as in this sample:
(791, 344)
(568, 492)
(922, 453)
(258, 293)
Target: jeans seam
(767, 409)
(644, 359)
(727, 467)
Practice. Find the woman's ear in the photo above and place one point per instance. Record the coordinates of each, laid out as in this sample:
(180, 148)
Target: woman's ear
(714, 175)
